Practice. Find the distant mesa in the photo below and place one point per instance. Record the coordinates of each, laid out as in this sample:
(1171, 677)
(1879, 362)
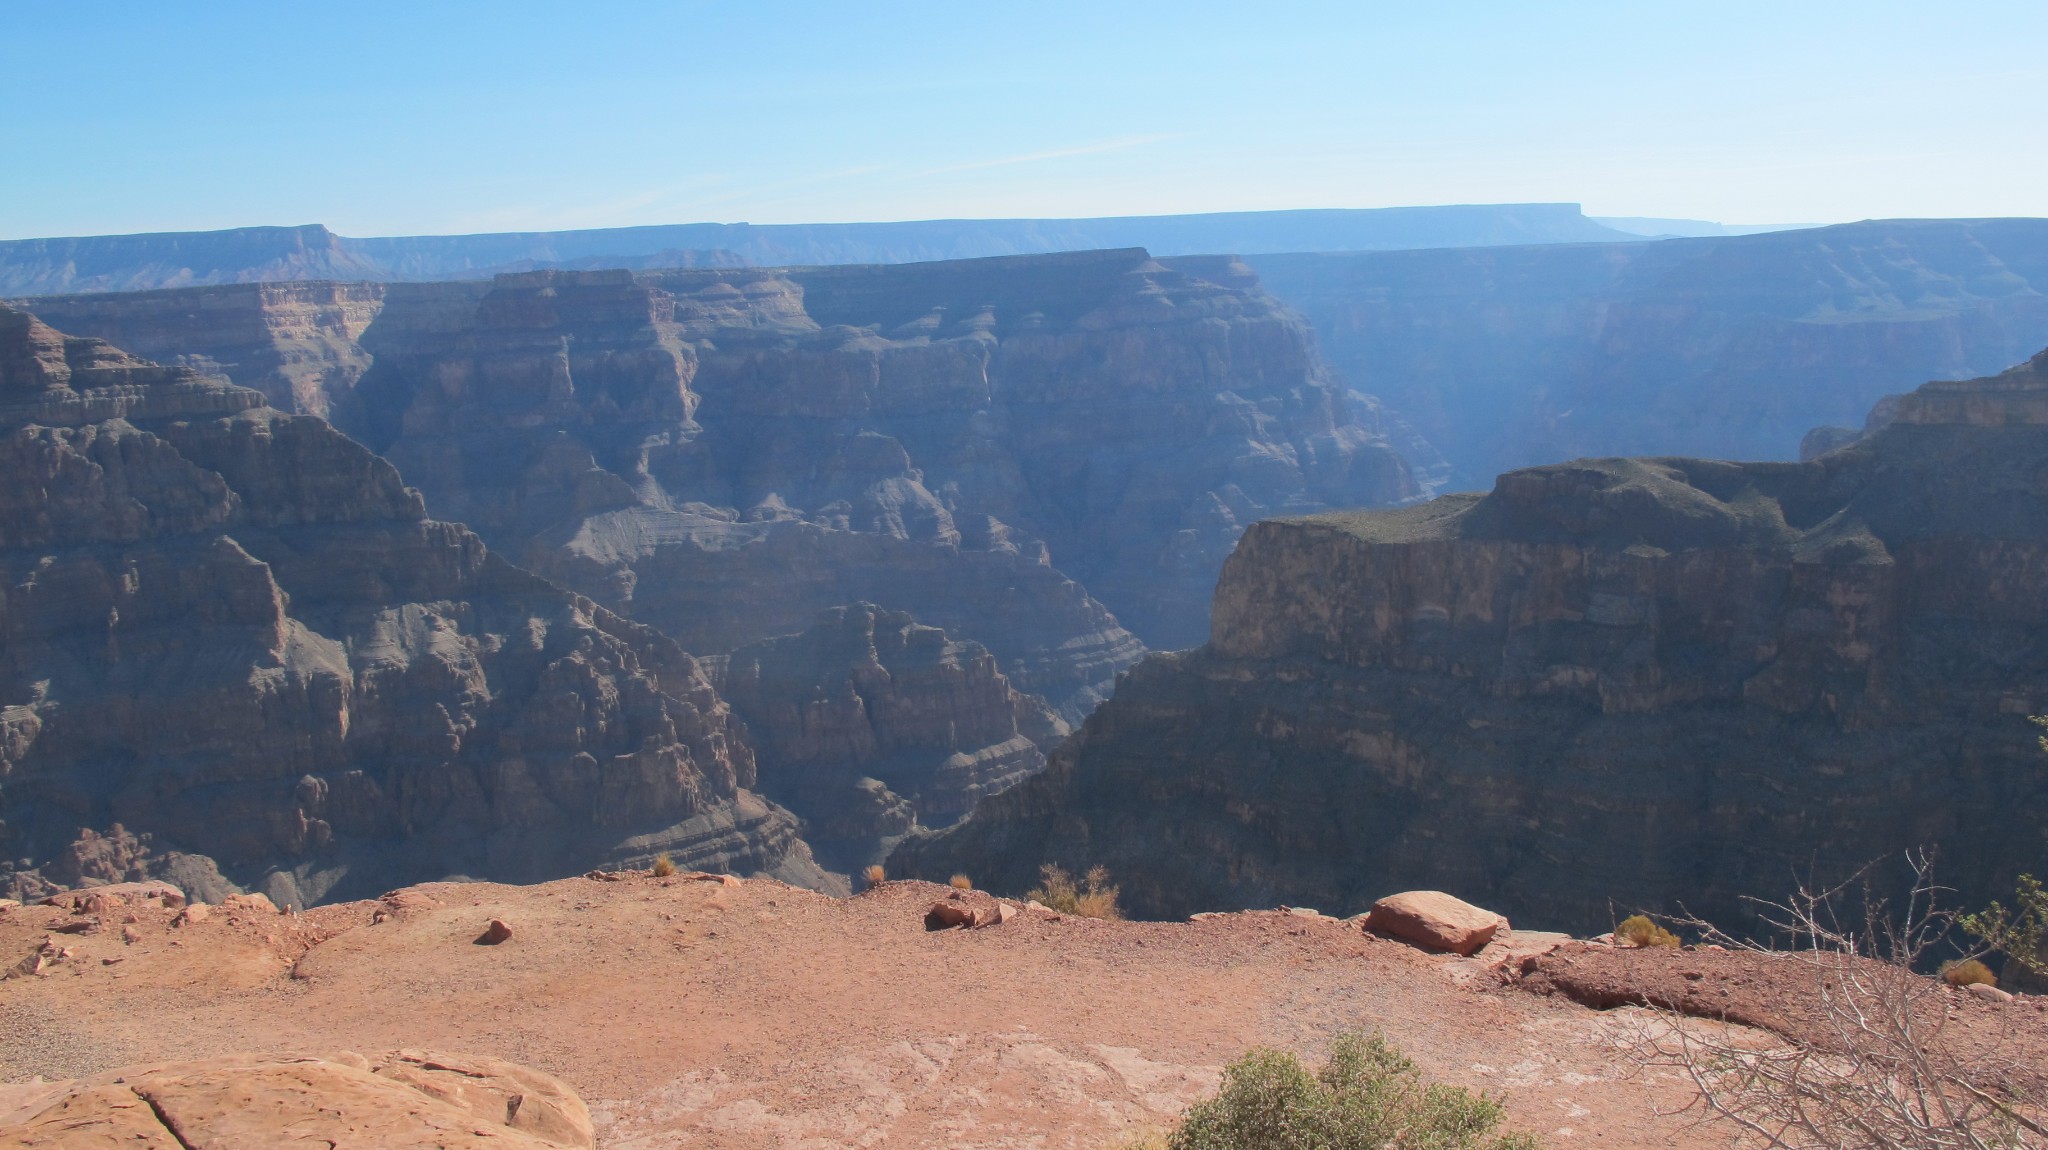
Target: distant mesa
(311, 252)
(1726, 347)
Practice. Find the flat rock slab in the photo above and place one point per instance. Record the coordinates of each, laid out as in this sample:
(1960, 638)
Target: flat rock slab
(407, 1099)
(1433, 919)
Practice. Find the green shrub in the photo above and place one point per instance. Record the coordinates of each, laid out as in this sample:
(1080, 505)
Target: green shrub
(1094, 898)
(2020, 934)
(1368, 1096)
(1638, 930)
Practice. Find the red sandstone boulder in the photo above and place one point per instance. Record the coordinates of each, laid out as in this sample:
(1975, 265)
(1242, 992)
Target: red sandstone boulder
(1433, 919)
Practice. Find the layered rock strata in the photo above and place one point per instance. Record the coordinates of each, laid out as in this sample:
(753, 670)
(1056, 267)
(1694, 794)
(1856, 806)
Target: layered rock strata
(297, 343)
(1010, 449)
(1606, 685)
(869, 724)
(236, 632)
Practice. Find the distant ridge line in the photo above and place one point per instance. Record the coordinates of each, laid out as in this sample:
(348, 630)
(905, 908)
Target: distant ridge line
(71, 264)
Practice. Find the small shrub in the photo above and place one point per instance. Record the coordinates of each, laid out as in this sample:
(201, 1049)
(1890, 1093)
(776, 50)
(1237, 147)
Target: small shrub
(1093, 898)
(1098, 900)
(1968, 972)
(664, 866)
(2020, 934)
(1366, 1097)
(1638, 930)
(962, 882)
(875, 875)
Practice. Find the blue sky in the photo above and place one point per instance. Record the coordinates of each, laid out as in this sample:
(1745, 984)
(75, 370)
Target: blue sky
(419, 117)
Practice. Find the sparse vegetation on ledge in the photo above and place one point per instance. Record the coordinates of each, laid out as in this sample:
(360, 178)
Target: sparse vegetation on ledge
(1095, 897)
(1638, 930)
(1368, 1096)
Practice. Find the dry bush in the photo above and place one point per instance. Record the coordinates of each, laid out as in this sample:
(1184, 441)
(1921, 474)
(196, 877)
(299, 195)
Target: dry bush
(875, 875)
(1878, 1063)
(664, 866)
(962, 882)
(1968, 972)
(1638, 930)
(1094, 897)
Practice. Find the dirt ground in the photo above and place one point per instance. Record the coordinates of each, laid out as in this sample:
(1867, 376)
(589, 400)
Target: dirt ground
(705, 1014)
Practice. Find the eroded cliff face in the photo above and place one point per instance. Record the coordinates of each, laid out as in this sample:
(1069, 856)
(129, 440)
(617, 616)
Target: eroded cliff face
(235, 633)
(1033, 453)
(297, 343)
(1606, 684)
(869, 723)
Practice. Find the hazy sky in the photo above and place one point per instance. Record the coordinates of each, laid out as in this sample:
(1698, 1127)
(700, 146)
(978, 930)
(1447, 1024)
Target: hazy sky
(418, 117)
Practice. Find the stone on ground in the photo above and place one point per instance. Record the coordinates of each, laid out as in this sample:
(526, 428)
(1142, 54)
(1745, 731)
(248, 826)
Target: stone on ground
(1433, 919)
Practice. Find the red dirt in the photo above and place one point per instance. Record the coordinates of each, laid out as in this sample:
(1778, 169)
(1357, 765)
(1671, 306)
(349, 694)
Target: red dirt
(759, 1015)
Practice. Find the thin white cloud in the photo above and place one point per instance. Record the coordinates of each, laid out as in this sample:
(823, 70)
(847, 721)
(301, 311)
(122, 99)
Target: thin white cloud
(1119, 144)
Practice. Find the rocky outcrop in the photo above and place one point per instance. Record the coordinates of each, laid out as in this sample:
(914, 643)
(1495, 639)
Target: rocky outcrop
(402, 1100)
(297, 343)
(1008, 449)
(236, 632)
(311, 252)
(1724, 347)
(1616, 683)
(869, 723)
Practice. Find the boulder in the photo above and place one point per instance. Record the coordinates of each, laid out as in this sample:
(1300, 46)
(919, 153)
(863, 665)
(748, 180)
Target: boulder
(947, 913)
(495, 933)
(1989, 993)
(405, 1099)
(1435, 920)
(249, 903)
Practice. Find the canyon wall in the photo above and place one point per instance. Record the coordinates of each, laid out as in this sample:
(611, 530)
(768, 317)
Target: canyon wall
(235, 633)
(868, 724)
(1606, 685)
(1730, 348)
(1009, 449)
